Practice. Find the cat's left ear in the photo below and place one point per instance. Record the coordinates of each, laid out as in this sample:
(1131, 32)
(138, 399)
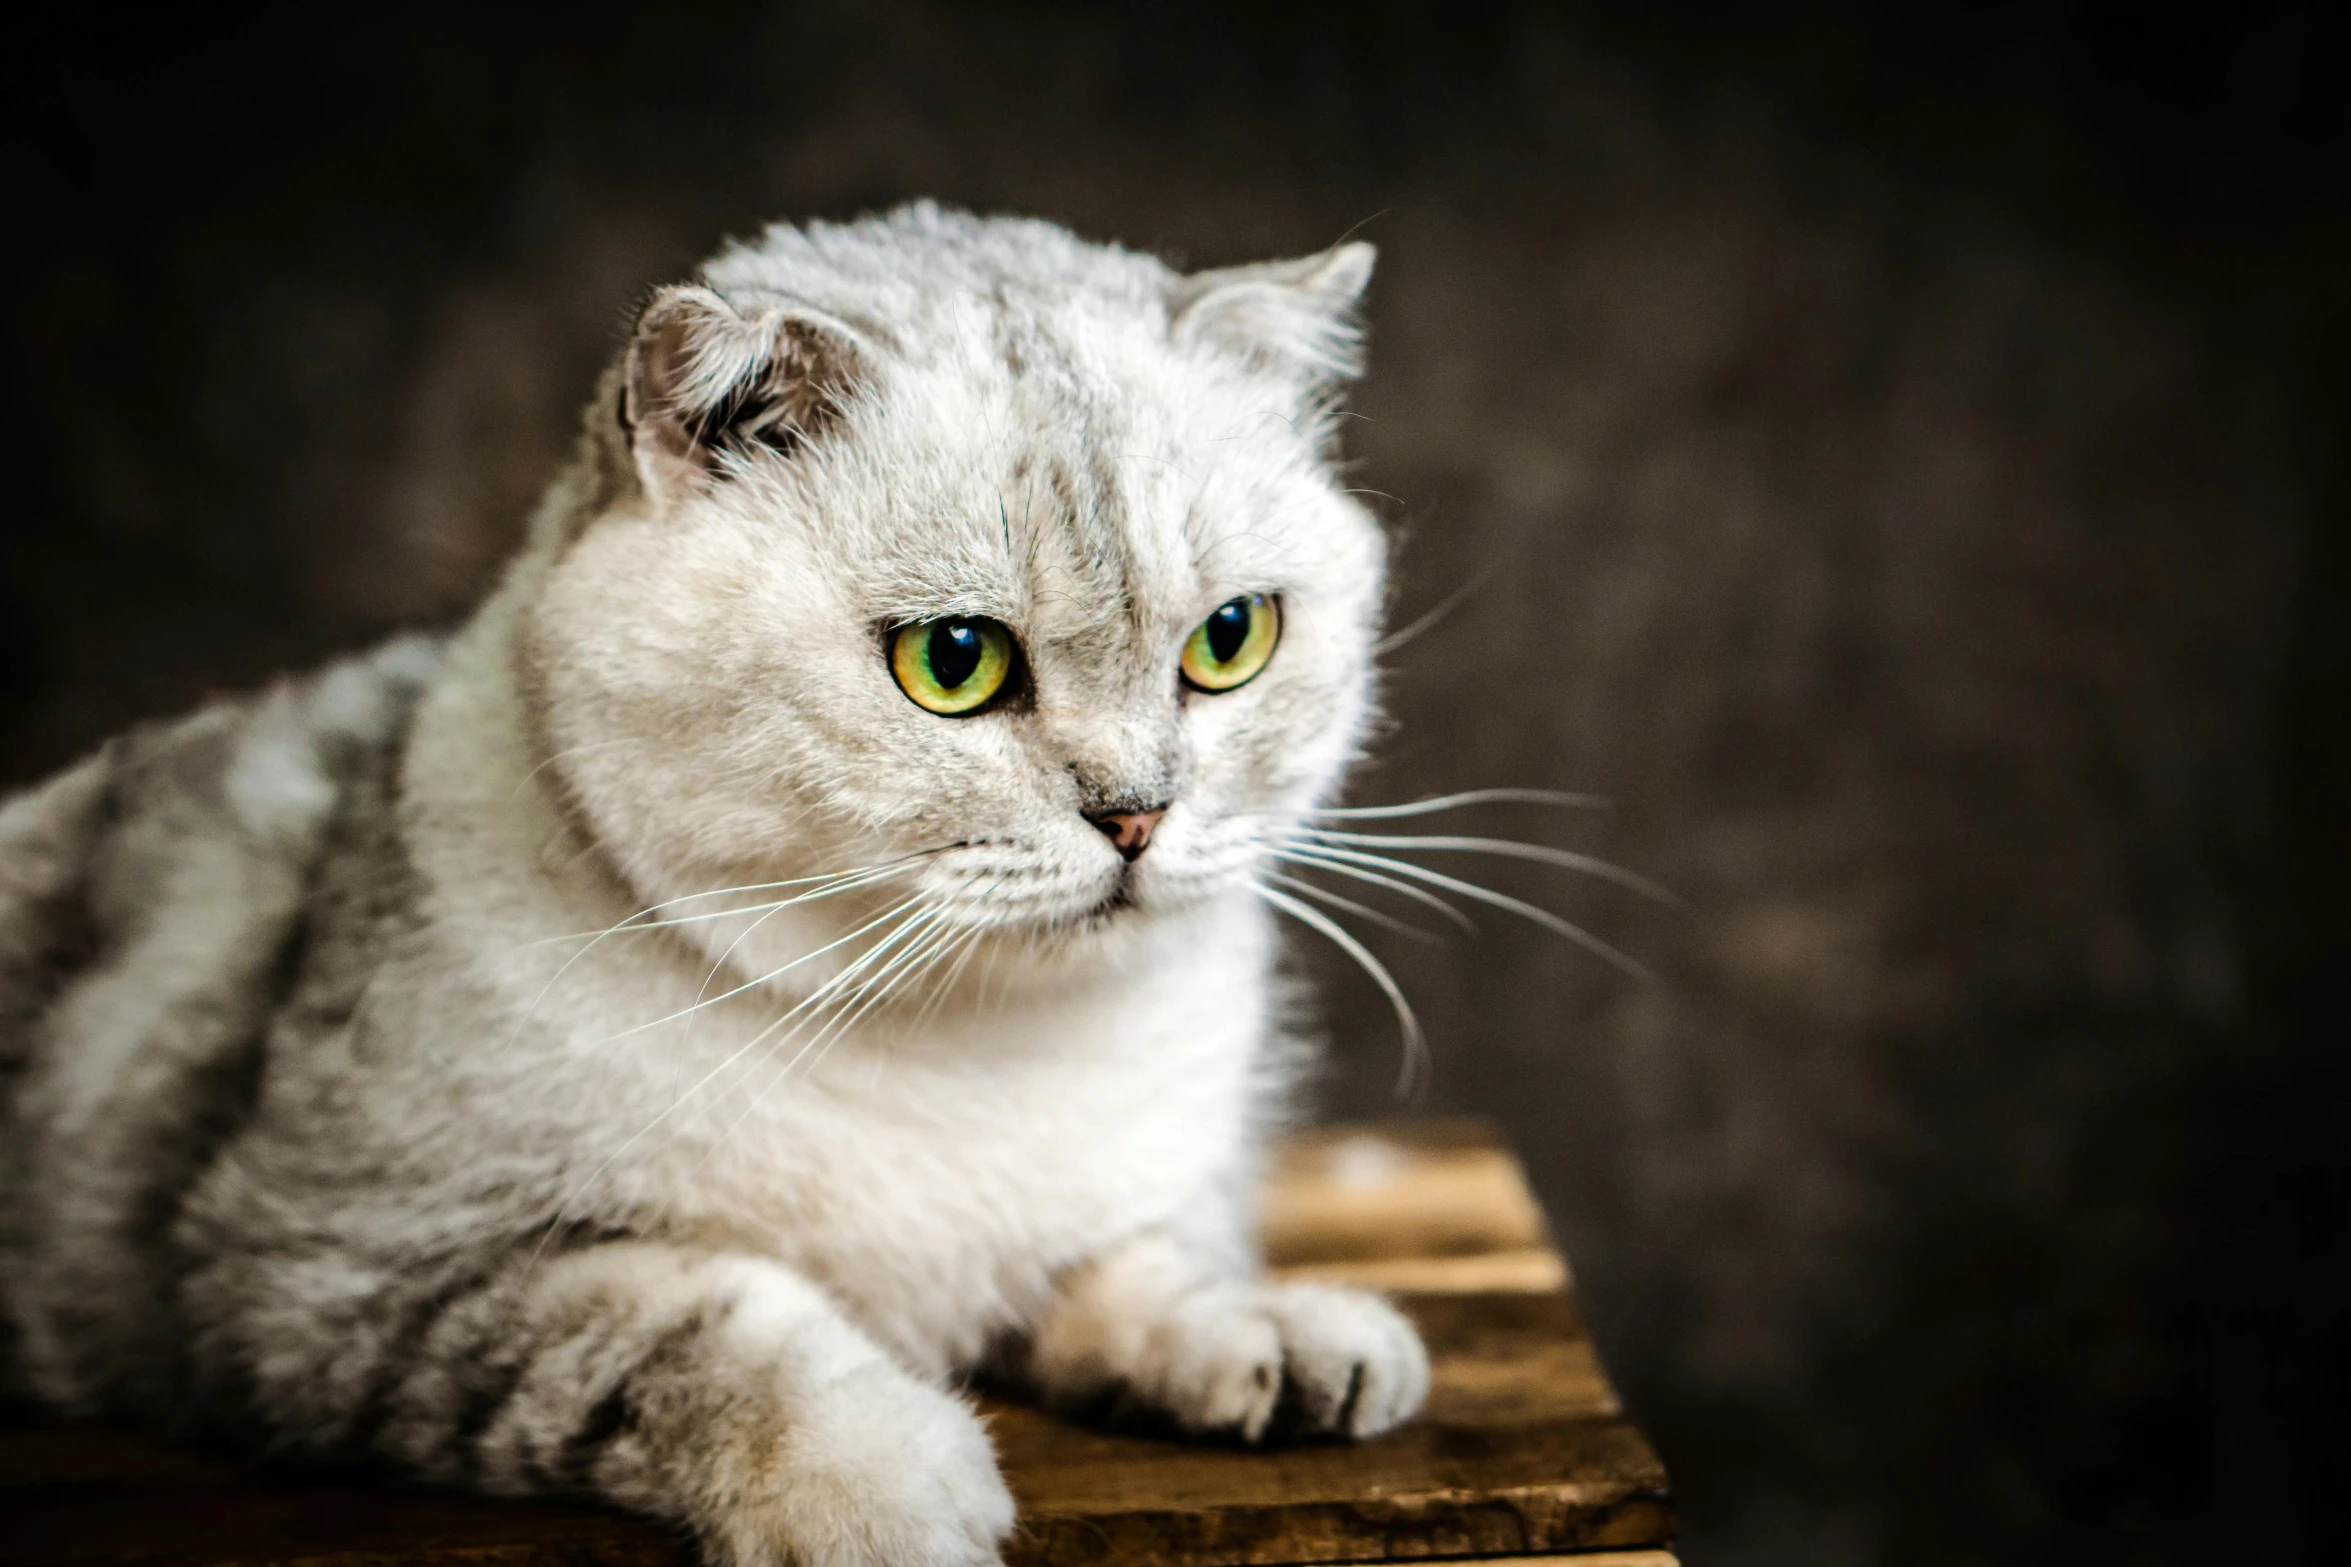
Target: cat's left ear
(1296, 318)
(705, 380)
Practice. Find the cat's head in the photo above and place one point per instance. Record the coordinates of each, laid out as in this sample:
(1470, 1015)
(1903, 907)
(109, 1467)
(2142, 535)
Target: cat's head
(964, 539)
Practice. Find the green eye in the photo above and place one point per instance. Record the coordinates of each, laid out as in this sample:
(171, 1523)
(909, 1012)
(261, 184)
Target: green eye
(951, 667)
(1232, 645)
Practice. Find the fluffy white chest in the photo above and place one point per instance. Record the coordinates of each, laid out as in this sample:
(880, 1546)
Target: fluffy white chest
(935, 1182)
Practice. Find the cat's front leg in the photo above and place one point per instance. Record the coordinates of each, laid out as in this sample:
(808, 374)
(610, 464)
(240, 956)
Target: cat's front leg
(718, 1391)
(1155, 1325)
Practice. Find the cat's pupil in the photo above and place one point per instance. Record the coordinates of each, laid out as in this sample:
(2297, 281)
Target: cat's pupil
(1228, 628)
(955, 652)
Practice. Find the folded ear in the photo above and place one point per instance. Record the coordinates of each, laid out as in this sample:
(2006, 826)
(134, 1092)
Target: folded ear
(706, 381)
(1292, 317)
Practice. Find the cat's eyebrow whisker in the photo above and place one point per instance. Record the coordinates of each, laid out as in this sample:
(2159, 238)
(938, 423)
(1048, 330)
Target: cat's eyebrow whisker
(1302, 854)
(1502, 900)
(1416, 1045)
(1322, 895)
(1508, 848)
(1448, 802)
(1429, 619)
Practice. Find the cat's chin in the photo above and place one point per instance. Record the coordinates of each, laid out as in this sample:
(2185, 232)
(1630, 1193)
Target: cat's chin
(1120, 899)
(1116, 910)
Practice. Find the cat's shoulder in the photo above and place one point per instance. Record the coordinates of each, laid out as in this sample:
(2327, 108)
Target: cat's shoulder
(262, 764)
(174, 812)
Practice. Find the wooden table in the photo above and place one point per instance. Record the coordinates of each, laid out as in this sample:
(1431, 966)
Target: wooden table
(1523, 1453)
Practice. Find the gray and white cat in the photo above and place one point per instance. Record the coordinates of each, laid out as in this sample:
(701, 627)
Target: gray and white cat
(805, 942)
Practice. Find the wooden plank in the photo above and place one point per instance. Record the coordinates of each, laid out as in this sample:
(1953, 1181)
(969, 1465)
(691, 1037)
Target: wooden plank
(1523, 1453)
(1523, 1448)
(173, 1517)
(1531, 1270)
(1398, 1190)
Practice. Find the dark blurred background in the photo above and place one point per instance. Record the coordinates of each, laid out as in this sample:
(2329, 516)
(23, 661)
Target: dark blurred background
(1900, 454)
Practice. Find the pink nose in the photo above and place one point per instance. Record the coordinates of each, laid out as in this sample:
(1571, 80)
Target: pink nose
(1129, 832)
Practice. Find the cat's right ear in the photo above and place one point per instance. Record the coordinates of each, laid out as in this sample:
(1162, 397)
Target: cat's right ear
(1297, 318)
(707, 383)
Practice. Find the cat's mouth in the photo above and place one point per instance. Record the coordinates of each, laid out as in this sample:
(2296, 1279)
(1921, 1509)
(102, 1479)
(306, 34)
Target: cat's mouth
(1118, 899)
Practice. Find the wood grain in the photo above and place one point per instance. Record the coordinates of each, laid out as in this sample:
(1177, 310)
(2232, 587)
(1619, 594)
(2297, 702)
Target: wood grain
(1416, 1190)
(1523, 1452)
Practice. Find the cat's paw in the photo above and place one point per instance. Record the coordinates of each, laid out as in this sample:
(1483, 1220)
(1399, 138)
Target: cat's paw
(1356, 1367)
(877, 1468)
(1331, 1361)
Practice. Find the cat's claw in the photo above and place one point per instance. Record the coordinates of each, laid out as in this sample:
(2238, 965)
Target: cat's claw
(1230, 1358)
(1356, 1366)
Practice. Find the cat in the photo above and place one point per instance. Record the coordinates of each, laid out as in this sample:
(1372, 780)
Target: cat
(804, 944)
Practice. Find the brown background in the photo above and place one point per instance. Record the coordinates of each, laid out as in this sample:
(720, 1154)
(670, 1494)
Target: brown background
(1900, 454)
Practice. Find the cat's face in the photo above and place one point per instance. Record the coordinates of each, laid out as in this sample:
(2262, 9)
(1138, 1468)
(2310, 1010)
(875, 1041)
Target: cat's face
(966, 543)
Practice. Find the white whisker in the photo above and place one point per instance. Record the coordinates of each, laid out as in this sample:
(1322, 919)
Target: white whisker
(1429, 619)
(1307, 889)
(837, 881)
(1449, 802)
(820, 994)
(637, 922)
(946, 985)
(753, 984)
(1508, 848)
(880, 959)
(870, 968)
(834, 881)
(702, 995)
(954, 938)
(887, 978)
(1501, 900)
(553, 757)
(1415, 1042)
(1304, 854)
(700, 1001)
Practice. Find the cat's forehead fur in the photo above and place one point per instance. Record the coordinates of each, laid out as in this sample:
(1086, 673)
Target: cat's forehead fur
(1043, 426)
(1060, 444)
(917, 269)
